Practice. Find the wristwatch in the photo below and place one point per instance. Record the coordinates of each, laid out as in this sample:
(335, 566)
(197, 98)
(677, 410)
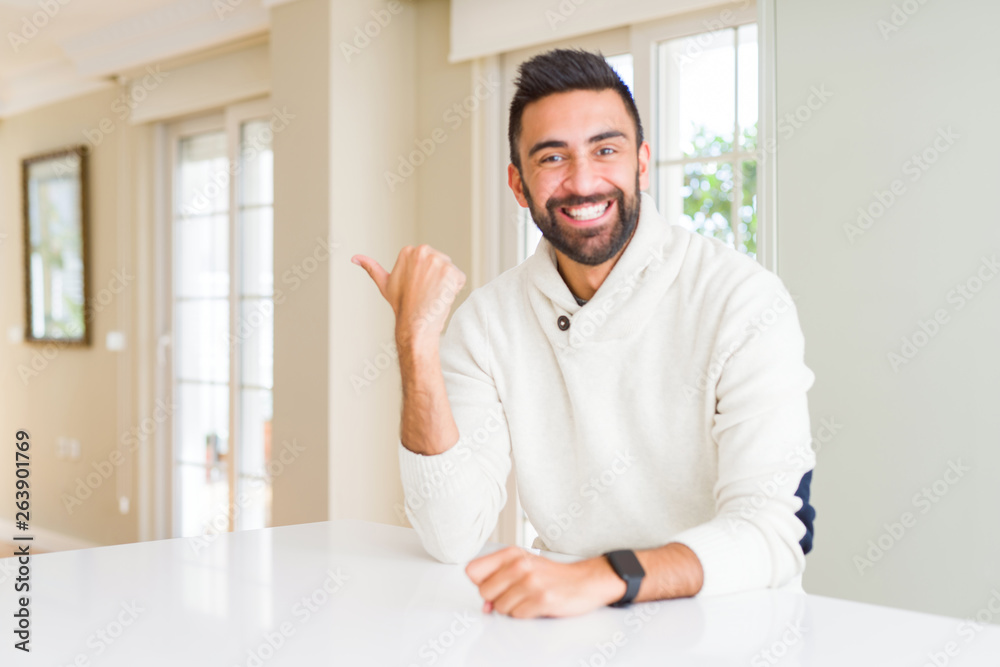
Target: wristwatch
(627, 566)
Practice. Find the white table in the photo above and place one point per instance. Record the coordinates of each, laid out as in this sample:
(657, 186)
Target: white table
(161, 603)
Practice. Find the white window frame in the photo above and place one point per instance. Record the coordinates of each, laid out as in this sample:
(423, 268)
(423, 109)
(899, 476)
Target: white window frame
(645, 40)
(230, 120)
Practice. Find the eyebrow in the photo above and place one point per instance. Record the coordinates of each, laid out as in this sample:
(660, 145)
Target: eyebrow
(555, 143)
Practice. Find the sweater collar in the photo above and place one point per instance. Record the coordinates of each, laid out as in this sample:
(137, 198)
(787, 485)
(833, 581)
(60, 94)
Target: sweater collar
(646, 246)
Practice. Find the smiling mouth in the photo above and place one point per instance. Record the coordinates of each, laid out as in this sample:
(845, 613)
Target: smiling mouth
(586, 212)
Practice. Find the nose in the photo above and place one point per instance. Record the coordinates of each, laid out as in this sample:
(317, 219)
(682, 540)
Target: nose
(582, 179)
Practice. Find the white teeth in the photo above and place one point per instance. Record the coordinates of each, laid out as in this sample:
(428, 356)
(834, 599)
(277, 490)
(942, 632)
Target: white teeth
(587, 212)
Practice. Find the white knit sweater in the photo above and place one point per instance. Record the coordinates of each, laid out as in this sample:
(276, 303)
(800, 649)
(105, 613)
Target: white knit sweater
(672, 409)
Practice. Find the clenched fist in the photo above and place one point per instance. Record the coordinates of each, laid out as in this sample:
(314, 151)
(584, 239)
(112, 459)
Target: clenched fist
(421, 288)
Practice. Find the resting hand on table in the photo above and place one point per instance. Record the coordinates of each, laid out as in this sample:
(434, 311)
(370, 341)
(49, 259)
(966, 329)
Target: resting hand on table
(521, 584)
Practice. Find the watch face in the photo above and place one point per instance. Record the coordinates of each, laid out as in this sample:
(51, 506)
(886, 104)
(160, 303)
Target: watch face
(626, 564)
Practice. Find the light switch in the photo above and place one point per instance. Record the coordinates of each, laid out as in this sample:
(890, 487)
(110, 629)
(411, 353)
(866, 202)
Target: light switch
(115, 341)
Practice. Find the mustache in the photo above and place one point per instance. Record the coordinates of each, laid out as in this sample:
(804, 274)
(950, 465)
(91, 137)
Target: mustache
(565, 202)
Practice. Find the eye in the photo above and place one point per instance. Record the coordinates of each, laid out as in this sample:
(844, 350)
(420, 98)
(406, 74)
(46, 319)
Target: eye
(551, 158)
(606, 150)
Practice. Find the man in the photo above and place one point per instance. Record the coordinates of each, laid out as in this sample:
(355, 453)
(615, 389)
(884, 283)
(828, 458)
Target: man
(649, 382)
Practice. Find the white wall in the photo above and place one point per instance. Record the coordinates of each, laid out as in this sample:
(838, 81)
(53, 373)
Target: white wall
(903, 427)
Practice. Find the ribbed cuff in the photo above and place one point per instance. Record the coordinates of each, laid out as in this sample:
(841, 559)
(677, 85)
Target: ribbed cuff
(438, 476)
(730, 563)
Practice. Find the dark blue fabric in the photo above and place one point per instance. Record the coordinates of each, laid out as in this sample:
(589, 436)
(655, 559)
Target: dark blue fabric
(807, 514)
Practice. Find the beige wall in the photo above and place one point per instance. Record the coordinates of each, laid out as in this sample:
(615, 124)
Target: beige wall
(75, 393)
(379, 109)
(300, 57)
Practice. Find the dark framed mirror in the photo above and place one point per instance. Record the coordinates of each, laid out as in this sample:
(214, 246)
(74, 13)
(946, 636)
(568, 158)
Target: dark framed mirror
(55, 246)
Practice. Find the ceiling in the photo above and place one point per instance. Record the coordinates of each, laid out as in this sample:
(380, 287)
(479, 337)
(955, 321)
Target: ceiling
(57, 49)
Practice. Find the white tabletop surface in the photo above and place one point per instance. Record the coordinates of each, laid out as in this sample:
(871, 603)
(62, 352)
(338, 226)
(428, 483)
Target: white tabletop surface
(163, 603)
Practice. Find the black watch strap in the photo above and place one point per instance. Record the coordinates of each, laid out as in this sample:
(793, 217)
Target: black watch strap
(626, 565)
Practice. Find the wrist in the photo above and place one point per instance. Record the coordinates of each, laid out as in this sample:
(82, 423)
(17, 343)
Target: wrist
(607, 586)
(416, 345)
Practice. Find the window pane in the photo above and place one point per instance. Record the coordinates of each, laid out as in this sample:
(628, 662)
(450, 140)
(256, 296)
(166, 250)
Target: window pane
(255, 504)
(707, 194)
(748, 210)
(697, 95)
(255, 333)
(201, 256)
(747, 36)
(257, 251)
(202, 340)
(202, 175)
(257, 180)
(204, 494)
(257, 410)
(622, 64)
(202, 423)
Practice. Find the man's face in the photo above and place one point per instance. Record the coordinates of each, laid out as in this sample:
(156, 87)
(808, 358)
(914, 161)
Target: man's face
(580, 173)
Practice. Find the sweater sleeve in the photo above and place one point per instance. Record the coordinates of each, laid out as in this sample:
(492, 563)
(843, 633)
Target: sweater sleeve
(763, 443)
(453, 499)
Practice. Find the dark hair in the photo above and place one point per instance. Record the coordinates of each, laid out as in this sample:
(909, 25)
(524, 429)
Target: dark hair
(560, 71)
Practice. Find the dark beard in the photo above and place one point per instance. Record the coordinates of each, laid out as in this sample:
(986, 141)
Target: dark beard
(573, 242)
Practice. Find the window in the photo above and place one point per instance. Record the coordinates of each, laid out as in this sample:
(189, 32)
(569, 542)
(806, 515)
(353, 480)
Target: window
(706, 164)
(221, 308)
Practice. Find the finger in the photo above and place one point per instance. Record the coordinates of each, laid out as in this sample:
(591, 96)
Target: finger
(530, 606)
(517, 598)
(511, 574)
(482, 567)
(375, 270)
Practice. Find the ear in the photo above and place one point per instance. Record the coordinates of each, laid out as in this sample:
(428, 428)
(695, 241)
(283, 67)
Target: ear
(644, 156)
(516, 185)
